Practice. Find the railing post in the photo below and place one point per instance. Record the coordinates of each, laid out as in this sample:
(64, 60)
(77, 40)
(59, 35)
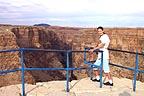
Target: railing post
(91, 70)
(22, 70)
(67, 71)
(101, 69)
(135, 72)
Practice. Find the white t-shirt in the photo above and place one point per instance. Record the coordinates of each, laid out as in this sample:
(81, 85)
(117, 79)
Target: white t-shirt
(104, 39)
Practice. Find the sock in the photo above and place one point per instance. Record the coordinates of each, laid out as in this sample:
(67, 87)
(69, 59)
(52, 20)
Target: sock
(97, 77)
(110, 81)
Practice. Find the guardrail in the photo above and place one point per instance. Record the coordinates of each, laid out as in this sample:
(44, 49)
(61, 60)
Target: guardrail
(136, 70)
(67, 69)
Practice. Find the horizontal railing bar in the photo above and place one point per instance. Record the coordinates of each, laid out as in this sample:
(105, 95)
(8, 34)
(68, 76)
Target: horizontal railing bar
(36, 49)
(10, 50)
(122, 66)
(140, 71)
(94, 66)
(125, 51)
(84, 51)
(8, 71)
(48, 50)
(121, 51)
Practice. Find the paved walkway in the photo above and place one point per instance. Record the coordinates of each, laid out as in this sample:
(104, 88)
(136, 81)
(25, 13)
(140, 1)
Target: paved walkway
(83, 87)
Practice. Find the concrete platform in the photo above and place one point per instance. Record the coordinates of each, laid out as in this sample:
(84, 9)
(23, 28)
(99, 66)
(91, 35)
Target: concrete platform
(83, 87)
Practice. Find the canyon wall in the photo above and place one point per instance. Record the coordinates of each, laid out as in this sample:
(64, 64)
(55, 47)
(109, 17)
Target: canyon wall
(128, 39)
(65, 38)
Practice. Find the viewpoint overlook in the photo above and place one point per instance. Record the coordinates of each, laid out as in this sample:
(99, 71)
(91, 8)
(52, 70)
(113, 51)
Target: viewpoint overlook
(66, 38)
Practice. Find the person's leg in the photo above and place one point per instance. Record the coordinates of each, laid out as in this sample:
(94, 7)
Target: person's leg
(97, 77)
(109, 79)
(109, 76)
(96, 71)
(107, 71)
(97, 74)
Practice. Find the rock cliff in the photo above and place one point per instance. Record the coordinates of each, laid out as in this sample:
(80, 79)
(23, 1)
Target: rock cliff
(64, 38)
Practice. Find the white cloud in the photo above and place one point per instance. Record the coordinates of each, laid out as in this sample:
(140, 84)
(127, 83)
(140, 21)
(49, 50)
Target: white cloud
(78, 12)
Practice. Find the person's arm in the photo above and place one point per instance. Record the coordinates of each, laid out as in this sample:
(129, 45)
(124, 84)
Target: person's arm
(101, 45)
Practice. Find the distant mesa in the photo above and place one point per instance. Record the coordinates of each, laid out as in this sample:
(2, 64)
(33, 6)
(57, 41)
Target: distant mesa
(42, 24)
(5, 25)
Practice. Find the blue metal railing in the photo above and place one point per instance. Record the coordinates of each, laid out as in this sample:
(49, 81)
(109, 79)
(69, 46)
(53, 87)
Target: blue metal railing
(136, 70)
(67, 69)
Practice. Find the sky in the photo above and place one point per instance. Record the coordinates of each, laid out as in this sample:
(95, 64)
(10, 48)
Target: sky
(73, 13)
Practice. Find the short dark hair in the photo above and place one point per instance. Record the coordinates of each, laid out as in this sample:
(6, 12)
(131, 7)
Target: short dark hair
(100, 27)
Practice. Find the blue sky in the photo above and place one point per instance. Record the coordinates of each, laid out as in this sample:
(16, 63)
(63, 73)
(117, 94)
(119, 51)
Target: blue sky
(74, 13)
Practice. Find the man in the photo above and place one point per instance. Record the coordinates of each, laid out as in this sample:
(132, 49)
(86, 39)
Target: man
(103, 45)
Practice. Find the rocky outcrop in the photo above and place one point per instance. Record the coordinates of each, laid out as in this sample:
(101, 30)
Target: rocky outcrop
(64, 38)
(31, 37)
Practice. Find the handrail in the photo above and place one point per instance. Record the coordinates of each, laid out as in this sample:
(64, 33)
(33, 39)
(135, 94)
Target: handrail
(125, 51)
(67, 69)
(132, 69)
(136, 70)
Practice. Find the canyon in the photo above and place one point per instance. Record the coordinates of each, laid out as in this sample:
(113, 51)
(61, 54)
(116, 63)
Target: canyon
(64, 38)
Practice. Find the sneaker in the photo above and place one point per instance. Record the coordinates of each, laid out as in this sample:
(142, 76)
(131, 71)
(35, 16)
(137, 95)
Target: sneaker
(108, 84)
(95, 80)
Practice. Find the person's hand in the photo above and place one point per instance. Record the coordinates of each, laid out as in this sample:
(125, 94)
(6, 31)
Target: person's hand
(91, 50)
